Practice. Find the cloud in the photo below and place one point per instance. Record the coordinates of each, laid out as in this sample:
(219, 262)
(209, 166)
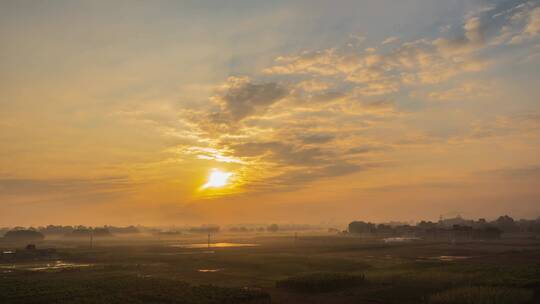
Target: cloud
(471, 37)
(504, 125)
(280, 153)
(65, 190)
(329, 112)
(363, 149)
(420, 186)
(465, 91)
(298, 177)
(244, 98)
(473, 30)
(525, 173)
(313, 85)
(530, 18)
(377, 73)
(533, 25)
(319, 62)
(390, 40)
(423, 61)
(317, 138)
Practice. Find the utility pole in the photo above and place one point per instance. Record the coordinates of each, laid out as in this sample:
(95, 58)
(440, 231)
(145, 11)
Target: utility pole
(91, 239)
(209, 241)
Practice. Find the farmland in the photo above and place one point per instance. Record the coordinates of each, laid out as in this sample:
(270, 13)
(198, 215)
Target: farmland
(252, 268)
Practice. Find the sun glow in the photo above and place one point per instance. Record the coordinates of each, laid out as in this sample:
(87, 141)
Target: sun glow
(217, 179)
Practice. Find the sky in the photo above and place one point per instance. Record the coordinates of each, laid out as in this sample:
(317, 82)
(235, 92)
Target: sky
(323, 112)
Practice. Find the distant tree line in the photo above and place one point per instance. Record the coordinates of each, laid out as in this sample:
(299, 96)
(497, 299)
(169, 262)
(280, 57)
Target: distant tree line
(24, 235)
(39, 233)
(205, 229)
(81, 231)
(452, 227)
(67, 230)
(273, 228)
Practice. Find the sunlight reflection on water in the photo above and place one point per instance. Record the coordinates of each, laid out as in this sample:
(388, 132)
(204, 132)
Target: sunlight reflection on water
(400, 239)
(209, 270)
(450, 258)
(213, 245)
(55, 265)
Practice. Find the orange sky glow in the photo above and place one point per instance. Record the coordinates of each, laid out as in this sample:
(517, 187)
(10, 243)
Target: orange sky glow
(192, 112)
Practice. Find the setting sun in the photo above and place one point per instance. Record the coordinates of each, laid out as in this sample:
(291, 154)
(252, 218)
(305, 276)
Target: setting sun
(217, 179)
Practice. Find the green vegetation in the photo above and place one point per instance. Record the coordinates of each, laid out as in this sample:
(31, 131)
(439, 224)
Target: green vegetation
(321, 281)
(311, 269)
(24, 236)
(119, 288)
(483, 295)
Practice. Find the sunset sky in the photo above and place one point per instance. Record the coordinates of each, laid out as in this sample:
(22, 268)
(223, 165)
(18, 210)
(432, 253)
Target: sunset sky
(192, 112)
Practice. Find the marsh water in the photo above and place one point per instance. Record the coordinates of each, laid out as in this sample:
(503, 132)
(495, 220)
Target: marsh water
(43, 266)
(214, 245)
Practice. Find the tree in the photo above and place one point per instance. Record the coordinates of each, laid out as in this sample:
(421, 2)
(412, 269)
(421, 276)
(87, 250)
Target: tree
(24, 235)
(426, 225)
(205, 229)
(506, 223)
(272, 228)
(361, 227)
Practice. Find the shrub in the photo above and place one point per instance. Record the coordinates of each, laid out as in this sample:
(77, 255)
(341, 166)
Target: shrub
(95, 288)
(211, 293)
(321, 281)
(483, 295)
(24, 235)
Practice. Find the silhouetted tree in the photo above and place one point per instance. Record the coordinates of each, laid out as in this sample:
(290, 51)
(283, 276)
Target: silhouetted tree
(361, 227)
(272, 228)
(123, 230)
(24, 235)
(506, 223)
(205, 229)
(426, 225)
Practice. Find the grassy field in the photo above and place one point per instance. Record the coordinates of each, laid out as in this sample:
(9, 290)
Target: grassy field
(326, 268)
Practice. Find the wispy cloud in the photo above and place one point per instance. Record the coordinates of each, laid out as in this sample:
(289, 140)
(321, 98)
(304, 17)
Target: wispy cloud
(311, 115)
(65, 190)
